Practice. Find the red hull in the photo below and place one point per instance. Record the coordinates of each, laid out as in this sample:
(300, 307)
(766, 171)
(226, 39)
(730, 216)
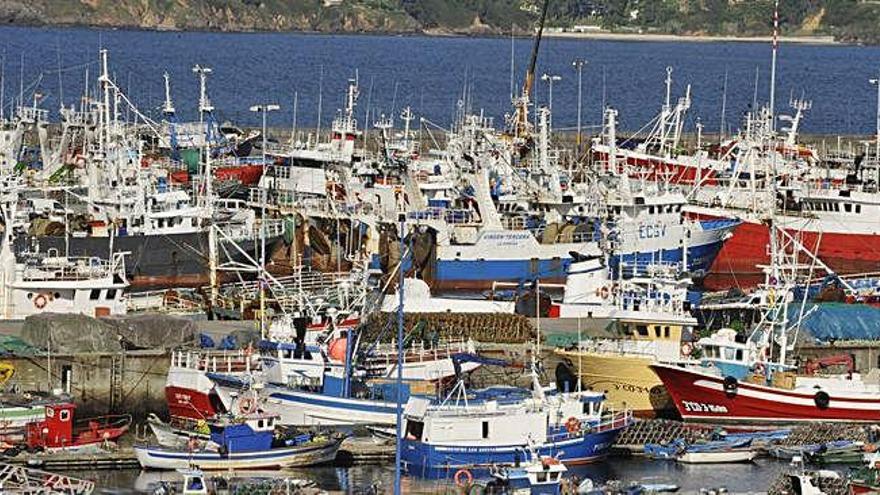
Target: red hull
(737, 263)
(656, 169)
(190, 404)
(702, 397)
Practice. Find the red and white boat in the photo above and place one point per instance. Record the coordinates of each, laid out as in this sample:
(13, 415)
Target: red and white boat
(749, 380)
(705, 396)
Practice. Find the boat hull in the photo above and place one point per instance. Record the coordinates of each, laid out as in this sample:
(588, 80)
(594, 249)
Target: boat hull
(304, 455)
(627, 381)
(297, 408)
(700, 396)
(155, 261)
(737, 262)
(439, 460)
(725, 457)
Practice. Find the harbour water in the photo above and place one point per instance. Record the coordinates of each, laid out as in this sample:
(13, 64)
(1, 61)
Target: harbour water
(738, 478)
(429, 74)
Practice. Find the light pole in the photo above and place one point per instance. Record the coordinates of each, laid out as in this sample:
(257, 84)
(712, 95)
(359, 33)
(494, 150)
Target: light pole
(264, 110)
(579, 65)
(550, 79)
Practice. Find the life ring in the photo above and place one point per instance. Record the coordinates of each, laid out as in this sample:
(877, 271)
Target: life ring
(686, 349)
(246, 406)
(822, 399)
(730, 386)
(759, 369)
(573, 425)
(463, 473)
(40, 301)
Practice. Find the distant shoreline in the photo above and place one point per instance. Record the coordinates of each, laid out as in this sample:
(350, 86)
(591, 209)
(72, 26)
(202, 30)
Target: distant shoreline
(612, 36)
(442, 33)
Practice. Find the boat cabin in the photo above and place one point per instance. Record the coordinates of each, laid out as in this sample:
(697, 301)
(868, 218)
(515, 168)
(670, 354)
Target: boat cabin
(294, 364)
(55, 430)
(253, 434)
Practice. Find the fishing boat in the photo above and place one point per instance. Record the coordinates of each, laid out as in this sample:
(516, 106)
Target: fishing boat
(536, 476)
(750, 380)
(650, 323)
(246, 443)
(473, 432)
(59, 431)
(717, 457)
(34, 282)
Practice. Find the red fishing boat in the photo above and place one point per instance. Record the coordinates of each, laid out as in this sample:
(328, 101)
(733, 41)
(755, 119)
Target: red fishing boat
(59, 430)
(701, 395)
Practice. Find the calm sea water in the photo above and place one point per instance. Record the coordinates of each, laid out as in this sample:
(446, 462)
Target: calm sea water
(430, 74)
(739, 478)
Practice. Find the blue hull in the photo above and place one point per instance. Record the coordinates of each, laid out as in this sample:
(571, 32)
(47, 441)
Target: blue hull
(501, 270)
(700, 258)
(439, 461)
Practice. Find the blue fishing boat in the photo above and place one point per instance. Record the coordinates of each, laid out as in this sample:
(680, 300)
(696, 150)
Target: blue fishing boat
(474, 432)
(247, 443)
(538, 476)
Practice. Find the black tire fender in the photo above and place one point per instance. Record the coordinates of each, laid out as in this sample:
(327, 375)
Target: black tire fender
(731, 386)
(822, 399)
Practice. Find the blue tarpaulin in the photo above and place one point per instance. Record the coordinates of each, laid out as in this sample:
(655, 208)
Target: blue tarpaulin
(838, 321)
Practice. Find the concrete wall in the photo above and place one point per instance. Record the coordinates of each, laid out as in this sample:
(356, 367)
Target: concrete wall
(137, 388)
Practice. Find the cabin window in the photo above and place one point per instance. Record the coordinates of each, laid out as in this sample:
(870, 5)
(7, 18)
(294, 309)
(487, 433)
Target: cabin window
(111, 294)
(553, 476)
(414, 429)
(847, 207)
(657, 331)
(260, 424)
(858, 208)
(666, 332)
(836, 206)
(739, 355)
(542, 477)
(95, 294)
(485, 429)
(651, 209)
(642, 330)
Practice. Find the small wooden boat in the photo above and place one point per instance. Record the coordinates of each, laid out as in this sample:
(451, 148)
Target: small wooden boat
(717, 457)
(248, 443)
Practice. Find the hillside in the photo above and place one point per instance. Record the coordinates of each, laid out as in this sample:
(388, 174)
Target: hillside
(846, 20)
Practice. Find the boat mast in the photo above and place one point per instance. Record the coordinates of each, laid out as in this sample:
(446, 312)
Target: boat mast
(400, 278)
(205, 109)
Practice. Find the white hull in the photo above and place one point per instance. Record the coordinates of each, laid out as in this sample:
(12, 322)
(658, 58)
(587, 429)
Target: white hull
(162, 458)
(723, 457)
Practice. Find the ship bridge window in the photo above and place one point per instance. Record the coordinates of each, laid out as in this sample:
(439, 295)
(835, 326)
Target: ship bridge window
(847, 207)
(485, 429)
(541, 476)
(666, 332)
(111, 294)
(651, 209)
(858, 208)
(642, 330)
(836, 206)
(95, 294)
(414, 429)
(657, 331)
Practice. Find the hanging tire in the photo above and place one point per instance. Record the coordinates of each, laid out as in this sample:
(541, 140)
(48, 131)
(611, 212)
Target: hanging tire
(731, 386)
(822, 399)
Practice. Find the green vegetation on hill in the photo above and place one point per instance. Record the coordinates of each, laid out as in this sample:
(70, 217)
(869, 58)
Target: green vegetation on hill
(847, 20)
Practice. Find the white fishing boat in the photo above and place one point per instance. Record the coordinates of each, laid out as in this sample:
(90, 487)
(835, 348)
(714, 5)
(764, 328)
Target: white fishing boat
(717, 457)
(248, 443)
